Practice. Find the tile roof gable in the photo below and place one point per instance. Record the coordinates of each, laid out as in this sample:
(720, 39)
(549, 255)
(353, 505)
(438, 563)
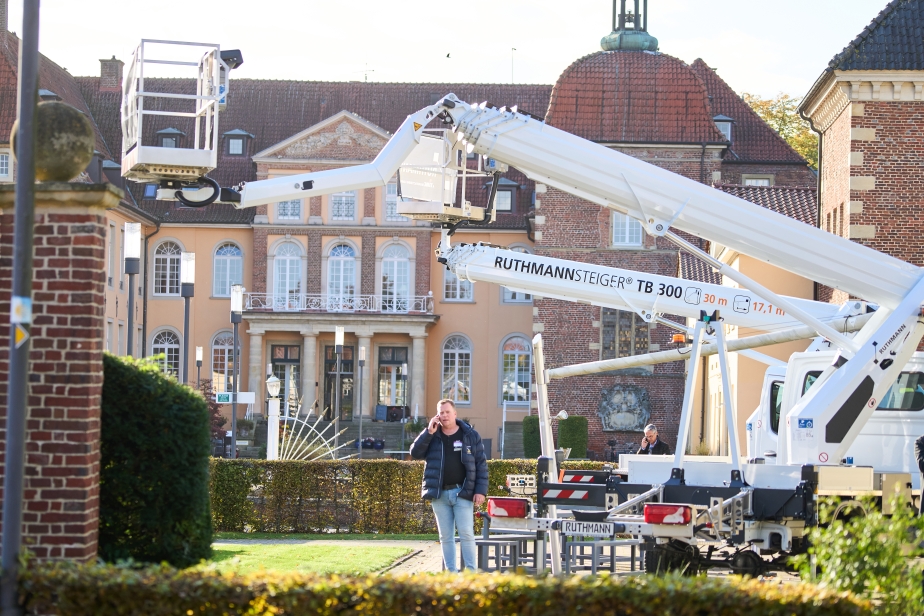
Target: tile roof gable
(891, 41)
(341, 129)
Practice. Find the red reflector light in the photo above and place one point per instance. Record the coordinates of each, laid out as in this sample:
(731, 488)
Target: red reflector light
(501, 507)
(668, 514)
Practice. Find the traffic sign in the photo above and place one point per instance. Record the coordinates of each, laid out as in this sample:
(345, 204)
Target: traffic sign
(21, 335)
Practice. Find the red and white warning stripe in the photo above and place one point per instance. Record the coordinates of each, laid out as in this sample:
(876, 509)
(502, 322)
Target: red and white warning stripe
(572, 494)
(578, 478)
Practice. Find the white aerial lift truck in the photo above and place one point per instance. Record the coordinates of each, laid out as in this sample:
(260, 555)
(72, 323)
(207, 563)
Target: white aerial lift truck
(685, 509)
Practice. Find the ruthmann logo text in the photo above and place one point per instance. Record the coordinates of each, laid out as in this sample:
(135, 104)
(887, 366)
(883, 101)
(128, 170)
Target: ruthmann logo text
(892, 339)
(565, 273)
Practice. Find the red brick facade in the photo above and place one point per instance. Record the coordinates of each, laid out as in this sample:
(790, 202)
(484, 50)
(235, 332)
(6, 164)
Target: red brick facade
(61, 512)
(783, 175)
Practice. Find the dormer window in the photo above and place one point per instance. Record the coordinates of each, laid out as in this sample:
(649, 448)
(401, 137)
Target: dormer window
(724, 124)
(170, 137)
(236, 141)
(505, 199)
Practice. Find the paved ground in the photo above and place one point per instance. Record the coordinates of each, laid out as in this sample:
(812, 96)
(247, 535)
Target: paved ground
(427, 557)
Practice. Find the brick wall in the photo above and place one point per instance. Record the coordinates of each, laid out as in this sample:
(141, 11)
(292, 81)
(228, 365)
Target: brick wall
(835, 188)
(61, 512)
(783, 175)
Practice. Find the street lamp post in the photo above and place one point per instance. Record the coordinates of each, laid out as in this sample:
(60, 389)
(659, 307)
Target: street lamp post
(237, 315)
(272, 423)
(187, 290)
(132, 267)
(338, 350)
(404, 400)
(362, 362)
(198, 366)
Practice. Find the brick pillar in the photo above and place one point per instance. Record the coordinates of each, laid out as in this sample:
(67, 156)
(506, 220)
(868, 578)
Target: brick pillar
(61, 511)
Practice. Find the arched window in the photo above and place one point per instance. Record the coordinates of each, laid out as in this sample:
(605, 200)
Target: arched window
(516, 366)
(222, 362)
(287, 277)
(167, 269)
(341, 278)
(457, 369)
(516, 297)
(228, 269)
(167, 343)
(396, 279)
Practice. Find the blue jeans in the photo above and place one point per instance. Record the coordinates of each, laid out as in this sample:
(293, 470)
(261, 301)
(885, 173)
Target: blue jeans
(454, 513)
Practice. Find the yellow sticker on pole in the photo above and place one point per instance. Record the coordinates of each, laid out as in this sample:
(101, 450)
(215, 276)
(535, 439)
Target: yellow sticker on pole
(417, 126)
(20, 336)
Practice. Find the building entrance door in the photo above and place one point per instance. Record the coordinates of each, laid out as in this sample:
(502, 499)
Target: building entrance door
(392, 381)
(286, 366)
(346, 383)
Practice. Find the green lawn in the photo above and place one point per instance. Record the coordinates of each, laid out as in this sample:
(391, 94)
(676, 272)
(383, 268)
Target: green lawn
(223, 536)
(305, 558)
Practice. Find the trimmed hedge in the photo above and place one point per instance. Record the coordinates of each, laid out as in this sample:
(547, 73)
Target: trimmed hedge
(344, 496)
(64, 588)
(154, 466)
(532, 447)
(572, 432)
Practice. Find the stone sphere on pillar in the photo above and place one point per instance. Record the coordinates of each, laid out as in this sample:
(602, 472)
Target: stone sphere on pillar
(64, 142)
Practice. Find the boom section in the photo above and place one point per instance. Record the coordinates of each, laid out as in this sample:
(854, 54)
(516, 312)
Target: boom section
(645, 294)
(661, 199)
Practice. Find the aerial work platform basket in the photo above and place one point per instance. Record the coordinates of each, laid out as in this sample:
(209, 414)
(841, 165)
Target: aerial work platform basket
(185, 147)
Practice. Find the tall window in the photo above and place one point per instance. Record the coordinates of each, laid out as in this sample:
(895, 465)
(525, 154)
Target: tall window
(457, 369)
(289, 210)
(455, 289)
(626, 231)
(391, 204)
(343, 205)
(223, 362)
(516, 362)
(396, 284)
(287, 277)
(121, 258)
(167, 343)
(516, 296)
(167, 269)
(624, 334)
(110, 258)
(341, 278)
(228, 269)
(4, 165)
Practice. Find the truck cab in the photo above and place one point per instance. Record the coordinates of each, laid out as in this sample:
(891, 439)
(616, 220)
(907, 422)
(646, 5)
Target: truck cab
(885, 443)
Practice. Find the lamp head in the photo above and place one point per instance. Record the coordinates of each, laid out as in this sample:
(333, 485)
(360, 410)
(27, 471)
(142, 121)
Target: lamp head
(562, 415)
(272, 386)
(338, 336)
(199, 354)
(237, 298)
(188, 267)
(133, 240)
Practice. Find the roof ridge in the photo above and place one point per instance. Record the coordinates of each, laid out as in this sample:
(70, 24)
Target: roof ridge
(865, 33)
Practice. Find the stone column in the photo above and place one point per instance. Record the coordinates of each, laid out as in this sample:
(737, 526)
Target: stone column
(61, 506)
(419, 375)
(364, 341)
(309, 370)
(257, 380)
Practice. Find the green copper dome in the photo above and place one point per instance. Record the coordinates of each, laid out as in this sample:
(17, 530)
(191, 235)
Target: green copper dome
(630, 28)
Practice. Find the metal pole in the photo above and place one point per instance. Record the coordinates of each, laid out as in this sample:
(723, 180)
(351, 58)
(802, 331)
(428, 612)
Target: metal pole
(186, 298)
(339, 352)
(362, 362)
(235, 320)
(131, 269)
(20, 312)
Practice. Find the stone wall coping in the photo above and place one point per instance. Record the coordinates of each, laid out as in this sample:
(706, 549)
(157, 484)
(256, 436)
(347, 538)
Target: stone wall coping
(65, 194)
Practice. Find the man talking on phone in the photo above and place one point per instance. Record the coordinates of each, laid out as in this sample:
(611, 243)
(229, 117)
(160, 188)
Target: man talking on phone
(455, 480)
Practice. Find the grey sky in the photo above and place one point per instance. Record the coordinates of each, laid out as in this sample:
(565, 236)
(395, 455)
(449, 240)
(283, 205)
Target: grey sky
(757, 46)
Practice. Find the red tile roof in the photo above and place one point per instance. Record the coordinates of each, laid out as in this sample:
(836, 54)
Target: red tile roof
(794, 201)
(752, 139)
(632, 97)
(692, 268)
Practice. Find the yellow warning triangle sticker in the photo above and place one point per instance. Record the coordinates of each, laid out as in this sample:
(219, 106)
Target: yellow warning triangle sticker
(417, 126)
(20, 336)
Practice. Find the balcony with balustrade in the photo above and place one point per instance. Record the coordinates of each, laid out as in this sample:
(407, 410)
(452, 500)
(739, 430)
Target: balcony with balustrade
(324, 303)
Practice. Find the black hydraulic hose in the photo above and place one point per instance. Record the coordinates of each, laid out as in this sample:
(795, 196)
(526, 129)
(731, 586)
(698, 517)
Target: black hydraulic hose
(216, 190)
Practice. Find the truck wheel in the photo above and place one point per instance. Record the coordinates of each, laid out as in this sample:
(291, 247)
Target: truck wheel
(747, 563)
(667, 559)
(656, 561)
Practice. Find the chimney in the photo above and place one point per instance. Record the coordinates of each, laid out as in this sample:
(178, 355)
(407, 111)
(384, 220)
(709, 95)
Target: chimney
(4, 16)
(110, 75)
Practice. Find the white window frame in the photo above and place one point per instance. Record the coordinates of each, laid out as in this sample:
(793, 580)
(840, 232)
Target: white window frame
(289, 210)
(5, 166)
(391, 203)
(239, 142)
(507, 205)
(223, 269)
(339, 201)
(516, 354)
(725, 128)
(222, 370)
(456, 365)
(516, 297)
(456, 290)
(341, 278)
(159, 344)
(287, 298)
(110, 257)
(626, 230)
(169, 266)
(394, 298)
(757, 179)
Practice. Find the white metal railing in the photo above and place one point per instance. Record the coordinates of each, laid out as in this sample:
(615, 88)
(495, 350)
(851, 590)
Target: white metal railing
(302, 302)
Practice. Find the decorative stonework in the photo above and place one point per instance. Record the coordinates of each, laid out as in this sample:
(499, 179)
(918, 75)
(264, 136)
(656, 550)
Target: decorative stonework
(344, 135)
(626, 408)
(830, 108)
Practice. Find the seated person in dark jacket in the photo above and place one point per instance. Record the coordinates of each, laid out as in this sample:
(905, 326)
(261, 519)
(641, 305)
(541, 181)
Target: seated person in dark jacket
(652, 445)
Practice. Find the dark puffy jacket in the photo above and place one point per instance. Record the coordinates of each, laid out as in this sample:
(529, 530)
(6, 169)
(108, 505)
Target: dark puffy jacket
(425, 447)
(660, 448)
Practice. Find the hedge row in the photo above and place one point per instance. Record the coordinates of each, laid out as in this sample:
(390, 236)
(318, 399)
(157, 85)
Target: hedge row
(344, 496)
(104, 590)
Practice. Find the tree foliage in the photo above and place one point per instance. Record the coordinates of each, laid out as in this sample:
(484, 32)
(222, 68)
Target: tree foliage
(216, 420)
(782, 114)
(867, 553)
